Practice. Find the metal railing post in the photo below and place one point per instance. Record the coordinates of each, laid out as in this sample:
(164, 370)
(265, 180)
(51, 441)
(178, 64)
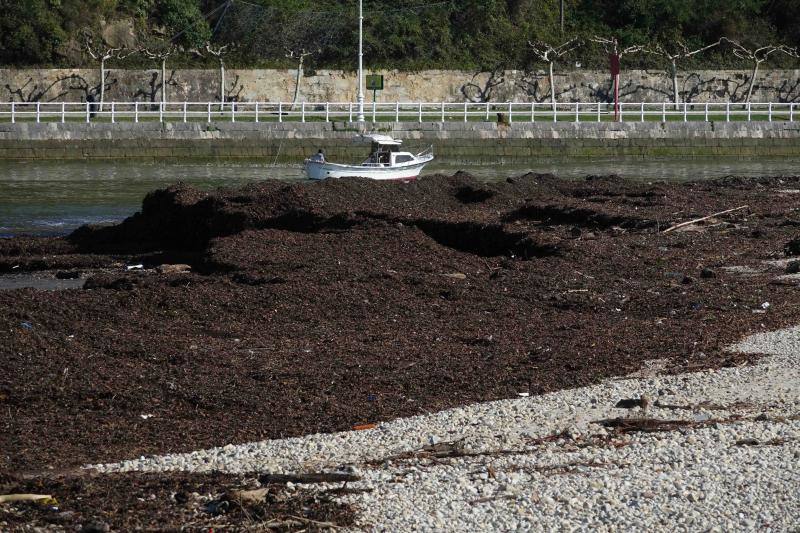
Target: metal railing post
(420, 111)
(487, 111)
(63, 118)
(184, 111)
(555, 112)
(642, 112)
(706, 115)
(748, 111)
(621, 113)
(37, 112)
(256, 118)
(465, 111)
(727, 111)
(769, 112)
(303, 112)
(397, 111)
(136, 111)
(663, 111)
(533, 112)
(13, 116)
(443, 118)
(161, 111)
(685, 108)
(350, 110)
(791, 112)
(112, 112)
(327, 111)
(577, 115)
(598, 111)
(510, 112)
(233, 112)
(374, 111)
(280, 112)
(87, 112)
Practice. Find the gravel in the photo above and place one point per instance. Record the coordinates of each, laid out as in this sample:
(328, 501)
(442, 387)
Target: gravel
(735, 466)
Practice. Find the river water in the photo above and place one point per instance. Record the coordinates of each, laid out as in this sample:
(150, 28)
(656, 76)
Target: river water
(53, 198)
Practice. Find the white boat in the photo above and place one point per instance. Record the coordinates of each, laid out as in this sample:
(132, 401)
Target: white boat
(386, 162)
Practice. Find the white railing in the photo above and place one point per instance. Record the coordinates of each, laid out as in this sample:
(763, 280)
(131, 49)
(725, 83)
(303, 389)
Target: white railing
(510, 112)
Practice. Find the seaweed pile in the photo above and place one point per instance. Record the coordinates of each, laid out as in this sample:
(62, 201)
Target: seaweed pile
(316, 307)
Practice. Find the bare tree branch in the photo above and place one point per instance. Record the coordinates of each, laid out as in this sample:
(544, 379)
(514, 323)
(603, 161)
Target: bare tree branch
(756, 56)
(682, 52)
(549, 53)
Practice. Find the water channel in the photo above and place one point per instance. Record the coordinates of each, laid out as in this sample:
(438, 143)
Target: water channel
(54, 197)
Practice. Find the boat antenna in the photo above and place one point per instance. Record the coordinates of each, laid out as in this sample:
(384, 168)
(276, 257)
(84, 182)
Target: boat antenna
(361, 60)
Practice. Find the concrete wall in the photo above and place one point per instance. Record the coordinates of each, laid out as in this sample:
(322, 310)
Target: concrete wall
(430, 86)
(457, 143)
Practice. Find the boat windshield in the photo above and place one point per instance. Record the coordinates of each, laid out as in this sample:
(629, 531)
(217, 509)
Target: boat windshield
(381, 154)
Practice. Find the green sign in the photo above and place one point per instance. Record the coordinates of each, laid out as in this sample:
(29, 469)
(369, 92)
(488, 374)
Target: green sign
(374, 82)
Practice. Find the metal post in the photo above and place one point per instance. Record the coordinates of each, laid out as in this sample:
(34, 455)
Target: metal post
(706, 112)
(209, 112)
(727, 111)
(184, 111)
(37, 112)
(233, 112)
(748, 111)
(465, 111)
(487, 111)
(555, 112)
(303, 113)
(257, 112)
(684, 112)
(397, 111)
(136, 111)
(62, 112)
(510, 113)
(161, 111)
(442, 111)
(420, 111)
(642, 112)
(533, 112)
(621, 114)
(327, 111)
(598, 111)
(361, 61)
(350, 110)
(577, 116)
(791, 112)
(87, 112)
(769, 112)
(374, 111)
(280, 112)
(13, 118)
(112, 112)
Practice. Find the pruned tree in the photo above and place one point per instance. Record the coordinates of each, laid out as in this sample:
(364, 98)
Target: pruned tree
(674, 55)
(549, 54)
(298, 54)
(102, 52)
(756, 56)
(219, 53)
(161, 51)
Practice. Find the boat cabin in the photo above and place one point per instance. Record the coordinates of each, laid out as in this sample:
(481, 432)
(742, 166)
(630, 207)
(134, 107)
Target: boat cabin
(385, 151)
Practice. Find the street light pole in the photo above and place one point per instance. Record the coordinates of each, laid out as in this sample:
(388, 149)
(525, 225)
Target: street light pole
(360, 60)
(562, 17)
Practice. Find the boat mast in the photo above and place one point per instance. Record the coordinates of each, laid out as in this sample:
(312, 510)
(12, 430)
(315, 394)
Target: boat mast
(361, 60)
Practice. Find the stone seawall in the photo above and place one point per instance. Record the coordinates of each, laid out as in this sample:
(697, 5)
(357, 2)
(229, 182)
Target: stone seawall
(251, 85)
(457, 143)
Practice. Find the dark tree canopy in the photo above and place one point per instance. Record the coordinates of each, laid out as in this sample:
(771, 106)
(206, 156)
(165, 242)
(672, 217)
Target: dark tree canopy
(402, 34)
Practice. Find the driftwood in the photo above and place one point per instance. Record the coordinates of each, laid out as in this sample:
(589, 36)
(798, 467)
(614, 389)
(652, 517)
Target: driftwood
(322, 477)
(12, 498)
(690, 222)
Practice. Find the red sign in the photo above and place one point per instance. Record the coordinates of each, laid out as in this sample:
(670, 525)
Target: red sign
(613, 60)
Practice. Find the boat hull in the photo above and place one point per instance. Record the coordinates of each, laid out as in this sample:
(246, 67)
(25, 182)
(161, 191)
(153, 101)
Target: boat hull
(319, 171)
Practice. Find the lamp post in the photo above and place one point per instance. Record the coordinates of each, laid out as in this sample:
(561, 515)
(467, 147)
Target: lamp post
(360, 60)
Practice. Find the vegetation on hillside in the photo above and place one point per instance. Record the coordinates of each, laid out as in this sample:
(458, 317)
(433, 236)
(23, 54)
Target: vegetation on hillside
(402, 34)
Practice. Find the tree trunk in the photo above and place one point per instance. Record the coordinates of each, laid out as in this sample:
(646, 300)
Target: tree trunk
(163, 82)
(752, 81)
(297, 80)
(221, 85)
(552, 87)
(102, 82)
(676, 98)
